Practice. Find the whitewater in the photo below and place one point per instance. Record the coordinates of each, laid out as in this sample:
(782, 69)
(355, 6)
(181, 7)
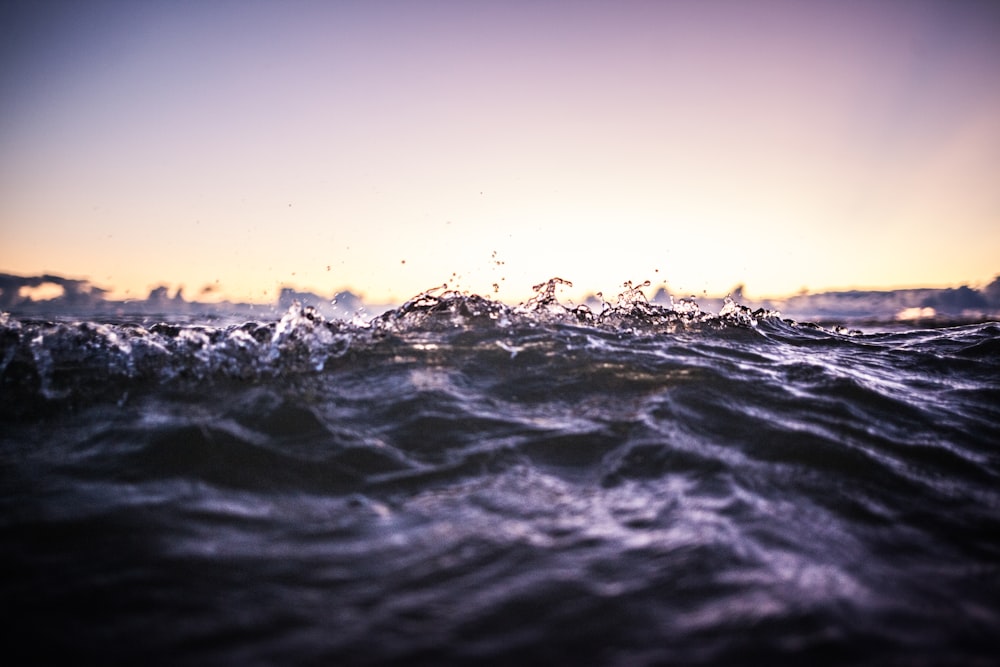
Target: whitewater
(459, 481)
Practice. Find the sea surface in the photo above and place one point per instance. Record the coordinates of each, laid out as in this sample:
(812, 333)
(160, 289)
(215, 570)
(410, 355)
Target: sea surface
(458, 481)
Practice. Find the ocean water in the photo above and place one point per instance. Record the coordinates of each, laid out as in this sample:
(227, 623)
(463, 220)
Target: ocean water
(463, 482)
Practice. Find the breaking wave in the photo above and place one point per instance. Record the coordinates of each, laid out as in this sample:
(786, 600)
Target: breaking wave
(460, 481)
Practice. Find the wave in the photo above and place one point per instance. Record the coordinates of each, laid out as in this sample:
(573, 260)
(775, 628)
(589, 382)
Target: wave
(458, 480)
(61, 360)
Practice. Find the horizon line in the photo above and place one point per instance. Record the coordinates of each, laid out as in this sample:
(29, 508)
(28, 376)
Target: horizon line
(162, 291)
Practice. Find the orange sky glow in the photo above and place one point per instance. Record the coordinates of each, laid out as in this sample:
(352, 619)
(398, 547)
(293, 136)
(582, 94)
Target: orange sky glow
(388, 147)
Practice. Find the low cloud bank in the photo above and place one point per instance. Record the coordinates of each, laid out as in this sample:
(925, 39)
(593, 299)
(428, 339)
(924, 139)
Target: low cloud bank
(55, 296)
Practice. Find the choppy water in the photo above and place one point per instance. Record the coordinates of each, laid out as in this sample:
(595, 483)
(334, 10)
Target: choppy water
(459, 481)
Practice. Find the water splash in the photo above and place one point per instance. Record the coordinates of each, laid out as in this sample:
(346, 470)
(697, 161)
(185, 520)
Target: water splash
(61, 361)
(442, 308)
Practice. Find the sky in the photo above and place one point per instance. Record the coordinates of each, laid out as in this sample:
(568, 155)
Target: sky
(389, 147)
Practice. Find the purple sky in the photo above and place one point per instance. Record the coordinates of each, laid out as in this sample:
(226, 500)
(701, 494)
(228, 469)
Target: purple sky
(386, 146)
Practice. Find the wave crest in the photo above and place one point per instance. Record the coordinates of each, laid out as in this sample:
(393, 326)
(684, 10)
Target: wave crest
(50, 362)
